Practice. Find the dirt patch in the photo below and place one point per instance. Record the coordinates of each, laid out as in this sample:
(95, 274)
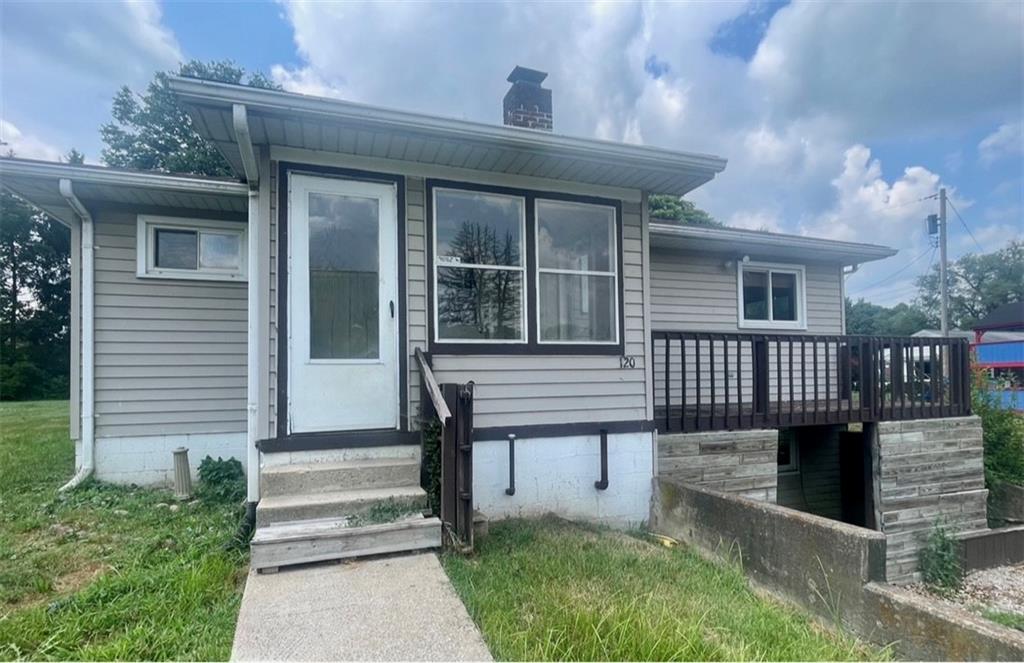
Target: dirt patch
(75, 580)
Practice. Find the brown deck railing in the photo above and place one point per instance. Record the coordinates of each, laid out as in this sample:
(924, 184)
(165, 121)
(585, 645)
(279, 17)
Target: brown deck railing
(452, 406)
(731, 381)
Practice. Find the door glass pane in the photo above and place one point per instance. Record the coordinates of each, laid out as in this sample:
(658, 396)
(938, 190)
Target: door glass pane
(175, 249)
(575, 236)
(755, 295)
(783, 296)
(479, 304)
(344, 297)
(574, 307)
(479, 228)
(220, 250)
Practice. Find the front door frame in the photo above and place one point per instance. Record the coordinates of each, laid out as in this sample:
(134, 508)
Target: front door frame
(340, 438)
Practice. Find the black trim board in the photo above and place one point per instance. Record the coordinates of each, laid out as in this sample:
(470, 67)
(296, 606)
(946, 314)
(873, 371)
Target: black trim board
(339, 440)
(284, 168)
(532, 345)
(563, 430)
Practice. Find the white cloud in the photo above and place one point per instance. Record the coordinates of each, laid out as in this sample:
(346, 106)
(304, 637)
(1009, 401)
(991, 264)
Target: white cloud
(755, 220)
(62, 63)
(1006, 141)
(27, 147)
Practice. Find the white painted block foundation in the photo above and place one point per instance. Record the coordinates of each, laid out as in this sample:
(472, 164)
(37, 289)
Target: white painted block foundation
(149, 460)
(557, 475)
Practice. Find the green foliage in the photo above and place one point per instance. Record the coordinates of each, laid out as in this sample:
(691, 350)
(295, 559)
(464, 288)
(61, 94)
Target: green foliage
(552, 590)
(430, 434)
(1003, 434)
(388, 511)
(863, 317)
(151, 131)
(978, 284)
(940, 561)
(672, 209)
(105, 572)
(35, 301)
(221, 481)
(1011, 619)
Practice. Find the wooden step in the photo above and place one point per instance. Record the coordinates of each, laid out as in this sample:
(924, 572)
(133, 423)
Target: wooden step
(337, 504)
(310, 478)
(301, 542)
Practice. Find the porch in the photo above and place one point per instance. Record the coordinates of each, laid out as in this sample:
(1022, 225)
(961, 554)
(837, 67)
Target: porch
(737, 381)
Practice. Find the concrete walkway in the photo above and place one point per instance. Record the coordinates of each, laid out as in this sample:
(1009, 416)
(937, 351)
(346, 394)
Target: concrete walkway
(390, 609)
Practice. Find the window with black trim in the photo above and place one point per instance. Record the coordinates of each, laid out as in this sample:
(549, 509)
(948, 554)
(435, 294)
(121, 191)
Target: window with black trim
(479, 267)
(577, 272)
(771, 296)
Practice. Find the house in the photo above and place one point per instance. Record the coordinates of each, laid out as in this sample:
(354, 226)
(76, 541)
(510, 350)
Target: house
(301, 316)
(999, 351)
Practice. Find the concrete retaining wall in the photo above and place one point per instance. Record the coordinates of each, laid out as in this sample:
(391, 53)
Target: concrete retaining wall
(836, 571)
(740, 462)
(811, 560)
(926, 471)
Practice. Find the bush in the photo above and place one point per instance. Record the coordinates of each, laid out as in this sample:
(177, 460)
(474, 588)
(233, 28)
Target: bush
(940, 561)
(1003, 437)
(221, 480)
(430, 433)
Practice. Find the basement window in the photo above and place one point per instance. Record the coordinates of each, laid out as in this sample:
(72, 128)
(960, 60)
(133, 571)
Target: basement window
(771, 296)
(184, 248)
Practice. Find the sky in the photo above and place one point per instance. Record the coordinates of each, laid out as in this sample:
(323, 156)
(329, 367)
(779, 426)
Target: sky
(839, 120)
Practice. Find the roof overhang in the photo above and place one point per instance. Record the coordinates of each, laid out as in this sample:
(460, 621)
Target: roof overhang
(39, 183)
(287, 119)
(764, 245)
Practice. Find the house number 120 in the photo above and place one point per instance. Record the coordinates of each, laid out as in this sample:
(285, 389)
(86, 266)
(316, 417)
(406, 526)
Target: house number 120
(626, 361)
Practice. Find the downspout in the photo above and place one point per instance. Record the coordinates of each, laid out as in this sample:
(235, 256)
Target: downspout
(88, 328)
(249, 165)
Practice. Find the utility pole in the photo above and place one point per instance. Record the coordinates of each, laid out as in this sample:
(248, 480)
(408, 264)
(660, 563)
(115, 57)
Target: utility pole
(943, 283)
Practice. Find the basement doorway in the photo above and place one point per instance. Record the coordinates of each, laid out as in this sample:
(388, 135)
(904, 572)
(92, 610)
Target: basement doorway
(827, 471)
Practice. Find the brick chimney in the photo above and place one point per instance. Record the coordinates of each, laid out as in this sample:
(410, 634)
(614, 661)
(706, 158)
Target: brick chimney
(526, 103)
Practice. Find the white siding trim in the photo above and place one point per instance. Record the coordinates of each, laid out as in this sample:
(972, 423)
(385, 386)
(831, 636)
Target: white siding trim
(645, 242)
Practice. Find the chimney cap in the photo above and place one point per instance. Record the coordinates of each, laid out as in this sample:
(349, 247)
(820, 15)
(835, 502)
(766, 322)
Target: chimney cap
(526, 75)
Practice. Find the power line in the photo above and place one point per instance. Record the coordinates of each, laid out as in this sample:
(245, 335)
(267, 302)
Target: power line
(966, 227)
(898, 272)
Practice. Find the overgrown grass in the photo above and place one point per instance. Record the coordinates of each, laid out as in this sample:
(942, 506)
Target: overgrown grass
(105, 572)
(552, 590)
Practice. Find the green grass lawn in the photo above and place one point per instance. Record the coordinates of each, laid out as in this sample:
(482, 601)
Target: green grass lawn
(105, 572)
(551, 590)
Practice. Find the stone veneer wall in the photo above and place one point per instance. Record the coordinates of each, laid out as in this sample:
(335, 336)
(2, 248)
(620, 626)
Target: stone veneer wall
(926, 470)
(738, 462)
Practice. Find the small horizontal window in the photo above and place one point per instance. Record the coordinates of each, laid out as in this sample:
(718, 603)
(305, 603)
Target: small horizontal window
(180, 248)
(771, 296)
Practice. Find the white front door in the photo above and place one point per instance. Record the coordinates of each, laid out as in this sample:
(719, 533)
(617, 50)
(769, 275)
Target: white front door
(342, 304)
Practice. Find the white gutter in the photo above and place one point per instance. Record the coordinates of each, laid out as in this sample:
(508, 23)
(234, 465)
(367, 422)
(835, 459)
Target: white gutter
(88, 327)
(214, 93)
(129, 178)
(253, 317)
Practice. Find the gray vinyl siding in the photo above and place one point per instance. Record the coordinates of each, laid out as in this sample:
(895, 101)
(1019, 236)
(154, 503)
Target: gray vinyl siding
(694, 292)
(553, 389)
(697, 293)
(515, 389)
(170, 354)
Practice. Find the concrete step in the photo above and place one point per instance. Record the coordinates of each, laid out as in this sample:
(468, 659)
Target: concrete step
(338, 504)
(310, 478)
(301, 542)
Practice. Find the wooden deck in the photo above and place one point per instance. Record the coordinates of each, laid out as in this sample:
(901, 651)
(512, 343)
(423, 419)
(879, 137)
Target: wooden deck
(710, 381)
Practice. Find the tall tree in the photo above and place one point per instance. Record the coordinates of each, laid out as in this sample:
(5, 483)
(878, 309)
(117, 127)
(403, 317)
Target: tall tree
(863, 317)
(151, 131)
(978, 284)
(35, 295)
(674, 209)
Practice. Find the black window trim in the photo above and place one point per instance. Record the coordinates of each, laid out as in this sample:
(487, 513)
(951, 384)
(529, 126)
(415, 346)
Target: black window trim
(532, 346)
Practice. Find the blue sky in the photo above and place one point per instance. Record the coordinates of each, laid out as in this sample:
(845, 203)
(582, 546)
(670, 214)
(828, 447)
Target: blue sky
(836, 118)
